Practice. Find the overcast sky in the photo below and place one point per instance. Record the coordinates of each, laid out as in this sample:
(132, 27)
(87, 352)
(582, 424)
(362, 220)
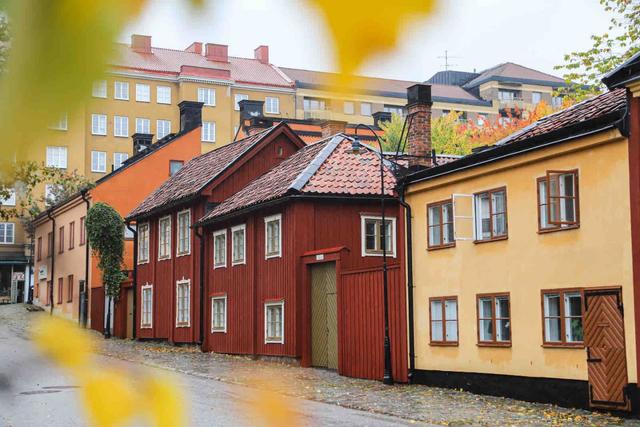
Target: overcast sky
(477, 33)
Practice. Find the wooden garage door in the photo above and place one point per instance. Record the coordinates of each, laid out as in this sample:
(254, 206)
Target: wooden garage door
(324, 316)
(606, 356)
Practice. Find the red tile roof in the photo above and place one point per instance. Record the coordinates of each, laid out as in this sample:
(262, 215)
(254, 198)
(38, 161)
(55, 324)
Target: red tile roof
(327, 167)
(176, 62)
(196, 174)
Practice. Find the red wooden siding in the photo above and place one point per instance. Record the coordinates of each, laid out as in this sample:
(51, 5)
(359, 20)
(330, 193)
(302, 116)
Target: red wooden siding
(97, 309)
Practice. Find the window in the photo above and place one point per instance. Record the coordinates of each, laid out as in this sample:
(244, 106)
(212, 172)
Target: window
(559, 208)
(207, 96)
(491, 215)
(163, 95)
(562, 313)
(208, 131)
(349, 107)
(51, 193)
(274, 322)
(481, 119)
(272, 236)
(121, 90)
(9, 200)
(508, 95)
(146, 319)
(121, 126)
(219, 314)
(57, 157)
(62, 123)
(143, 243)
(444, 320)
(557, 101)
(175, 166)
(119, 159)
(365, 108)
(371, 227)
(83, 231)
(440, 224)
(536, 97)
(314, 104)
(238, 243)
(70, 288)
(61, 240)
(394, 109)
(98, 124)
(494, 320)
(164, 240)
(220, 248)
(99, 89)
(184, 232)
(72, 234)
(183, 303)
(163, 128)
(272, 105)
(7, 233)
(39, 249)
(128, 233)
(143, 92)
(60, 288)
(98, 161)
(143, 125)
(239, 97)
(49, 244)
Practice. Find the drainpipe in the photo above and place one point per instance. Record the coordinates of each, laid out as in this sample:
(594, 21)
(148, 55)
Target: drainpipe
(199, 231)
(53, 257)
(134, 277)
(83, 194)
(408, 237)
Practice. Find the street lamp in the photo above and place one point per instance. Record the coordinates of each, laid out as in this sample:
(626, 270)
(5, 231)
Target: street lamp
(356, 147)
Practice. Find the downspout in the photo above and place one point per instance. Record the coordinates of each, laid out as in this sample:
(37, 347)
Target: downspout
(408, 237)
(199, 231)
(134, 277)
(53, 258)
(83, 194)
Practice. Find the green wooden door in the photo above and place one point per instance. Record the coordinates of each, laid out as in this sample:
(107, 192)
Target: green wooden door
(324, 316)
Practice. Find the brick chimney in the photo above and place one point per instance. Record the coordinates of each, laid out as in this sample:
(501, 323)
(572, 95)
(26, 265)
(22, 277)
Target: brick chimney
(380, 117)
(190, 115)
(261, 53)
(217, 52)
(332, 127)
(195, 47)
(141, 142)
(419, 135)
(141, 44)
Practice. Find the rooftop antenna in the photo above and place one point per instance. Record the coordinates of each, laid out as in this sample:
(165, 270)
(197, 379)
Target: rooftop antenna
(446, 58)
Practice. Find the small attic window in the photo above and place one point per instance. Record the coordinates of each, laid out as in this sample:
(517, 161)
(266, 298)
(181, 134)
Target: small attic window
(279, 151)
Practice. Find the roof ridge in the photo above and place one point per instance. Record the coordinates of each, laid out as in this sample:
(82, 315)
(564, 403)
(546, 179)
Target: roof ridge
(313, 166)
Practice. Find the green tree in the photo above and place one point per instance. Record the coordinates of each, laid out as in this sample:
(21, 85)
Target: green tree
(584, 69)
(392, 132)
(105, 230)
(449, 135)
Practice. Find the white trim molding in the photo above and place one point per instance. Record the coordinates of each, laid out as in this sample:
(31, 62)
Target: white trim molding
(186, 324)
(266, 324)
(168, 255)
(268, 219)
(222, 330)
(222, 232)
(242, 227)
(188, 251)
(144, 225)
(149, 325)
(363, 243)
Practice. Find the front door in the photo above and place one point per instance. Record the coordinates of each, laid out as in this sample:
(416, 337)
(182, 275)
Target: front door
(129, 313)
(606, 356)
(324, 316)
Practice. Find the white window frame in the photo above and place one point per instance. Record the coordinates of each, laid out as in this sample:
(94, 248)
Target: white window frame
(121, 126)
(11, 200)
(99, 124)
(242, 227)
(188, 250)
(143, 228)
(207, 96)
(62, 123)
(118, 159)
(143, 325)
(159, 122)
(56, 156)
(96, 156)
(161, 92)
(351, 110)
(363, 242)
(187, 323)
(362, 113)
(208, 135)
(116, 84)
(160, 237)
(222, 264)
(140, 125)
(143, 92)
(223, 329)
(268, 219)
(13, 233)
(269, 102)
(237, 98)
(266, 323)
(99, 89)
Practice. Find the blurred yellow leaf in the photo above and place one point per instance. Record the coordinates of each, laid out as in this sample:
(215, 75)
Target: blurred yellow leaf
(164, 404)
(272, 410)
(109, 398)
(64, 342)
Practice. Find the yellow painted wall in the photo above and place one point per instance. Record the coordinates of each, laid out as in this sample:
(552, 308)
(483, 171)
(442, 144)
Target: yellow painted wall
(596, 254)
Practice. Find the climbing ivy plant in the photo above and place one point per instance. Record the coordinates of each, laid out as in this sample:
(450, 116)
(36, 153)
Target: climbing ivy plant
(105, 230)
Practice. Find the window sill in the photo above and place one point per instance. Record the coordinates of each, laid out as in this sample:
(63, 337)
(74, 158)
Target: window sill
(494, 344)
(577, 346)
(221, 331)
(389, 254)
(273, 256)
(183, 254)
(143, 262)
(146, 327)
(556, 229)
(217, 267)
(443, 344)
(184, 325)
(273, 342)
(495, 239)
(233, 264)
(164, 258)
(437, 248)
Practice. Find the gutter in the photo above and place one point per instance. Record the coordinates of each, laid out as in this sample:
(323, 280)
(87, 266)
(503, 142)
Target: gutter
(200, 233)
(134, 277)
(409, 240)
(53, 257)
(87, 288)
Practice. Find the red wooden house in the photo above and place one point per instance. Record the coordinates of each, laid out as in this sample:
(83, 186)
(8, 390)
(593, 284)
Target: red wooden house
(168, 251)
(293, 264)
